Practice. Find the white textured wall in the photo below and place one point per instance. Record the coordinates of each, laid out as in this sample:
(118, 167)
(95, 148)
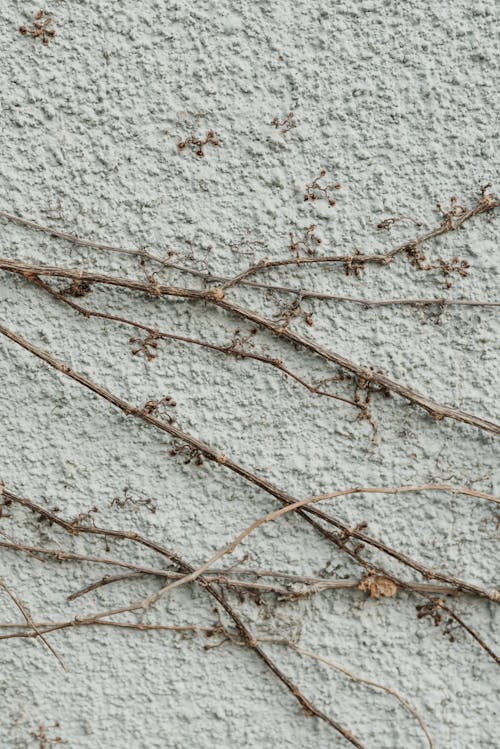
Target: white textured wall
(396, 101)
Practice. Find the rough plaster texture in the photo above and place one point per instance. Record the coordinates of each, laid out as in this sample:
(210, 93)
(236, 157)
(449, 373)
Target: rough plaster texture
(396, 101)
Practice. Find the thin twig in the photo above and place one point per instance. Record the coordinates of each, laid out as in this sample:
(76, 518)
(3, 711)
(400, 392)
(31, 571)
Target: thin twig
(220, 576)
(361, 680)
(46, 627)
(304, 293)
(30, 622)
(215, 296)
(74, 528)
(272, 516)
(472, 632)
(221, 459)
(156, 334)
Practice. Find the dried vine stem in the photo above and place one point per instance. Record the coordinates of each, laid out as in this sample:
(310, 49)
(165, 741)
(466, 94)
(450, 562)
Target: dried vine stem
(451, 223)
(368, 682)
(157, 335)
(98, 618)
(29, 621)
(434, 409)
(458, 619)
(75, 528)
(216, 296)
(485, 204)
(248, 637)
(221, 459)
(272, 516)
(419, 589)
(48, 627)
(309, 585)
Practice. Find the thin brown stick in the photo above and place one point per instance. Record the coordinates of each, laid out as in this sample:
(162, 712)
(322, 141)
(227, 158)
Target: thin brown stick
(456, 490)
(30, 622)
(272, 516)
(303, 293)
(215, 296)
(156, 334)
(361, 680)
(472, 632)
(74, 528)
(242, 628)
(219, 576)
(46, 627)
(486, 203)
(20, 547)
(223, 460)
(317, 584)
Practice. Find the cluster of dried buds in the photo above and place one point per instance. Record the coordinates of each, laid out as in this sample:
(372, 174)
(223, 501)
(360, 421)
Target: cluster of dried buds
(42, 27)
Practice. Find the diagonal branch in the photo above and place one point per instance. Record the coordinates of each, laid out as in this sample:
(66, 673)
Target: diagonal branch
(215, 296)
(221, 459)
(30, 622)
(248, 637)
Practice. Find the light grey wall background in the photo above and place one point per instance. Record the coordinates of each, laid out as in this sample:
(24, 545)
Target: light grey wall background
(397, 102)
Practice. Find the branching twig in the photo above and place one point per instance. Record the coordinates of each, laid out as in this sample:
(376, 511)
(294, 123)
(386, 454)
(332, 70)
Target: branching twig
(375, 581)
(228, 282)
(244, 631)
(271, 516)
(216, 296)
(221, 459)
(361, 680)
(302, 585)
(30, 622)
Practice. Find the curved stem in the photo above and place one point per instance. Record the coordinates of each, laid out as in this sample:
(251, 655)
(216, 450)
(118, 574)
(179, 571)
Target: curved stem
(215, 296)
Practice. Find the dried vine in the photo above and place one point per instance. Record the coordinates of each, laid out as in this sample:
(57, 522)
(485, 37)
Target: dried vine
(433, 585)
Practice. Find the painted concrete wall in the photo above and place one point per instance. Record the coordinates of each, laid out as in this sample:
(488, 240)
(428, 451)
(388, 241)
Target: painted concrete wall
(397, 102)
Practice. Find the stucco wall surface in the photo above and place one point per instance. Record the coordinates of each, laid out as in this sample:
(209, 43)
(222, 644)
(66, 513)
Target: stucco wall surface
(396, 101)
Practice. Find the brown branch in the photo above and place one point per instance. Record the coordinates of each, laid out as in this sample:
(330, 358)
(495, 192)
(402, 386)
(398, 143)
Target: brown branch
(74, 528)
(361, 680)
(221, 459)
(485, 204)
(168, 264)
(156, 335)
(271, 516)
(436, 410)
(30, 622)
(216, 296)
(46, 627)
(309, 585)
(472, 632)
